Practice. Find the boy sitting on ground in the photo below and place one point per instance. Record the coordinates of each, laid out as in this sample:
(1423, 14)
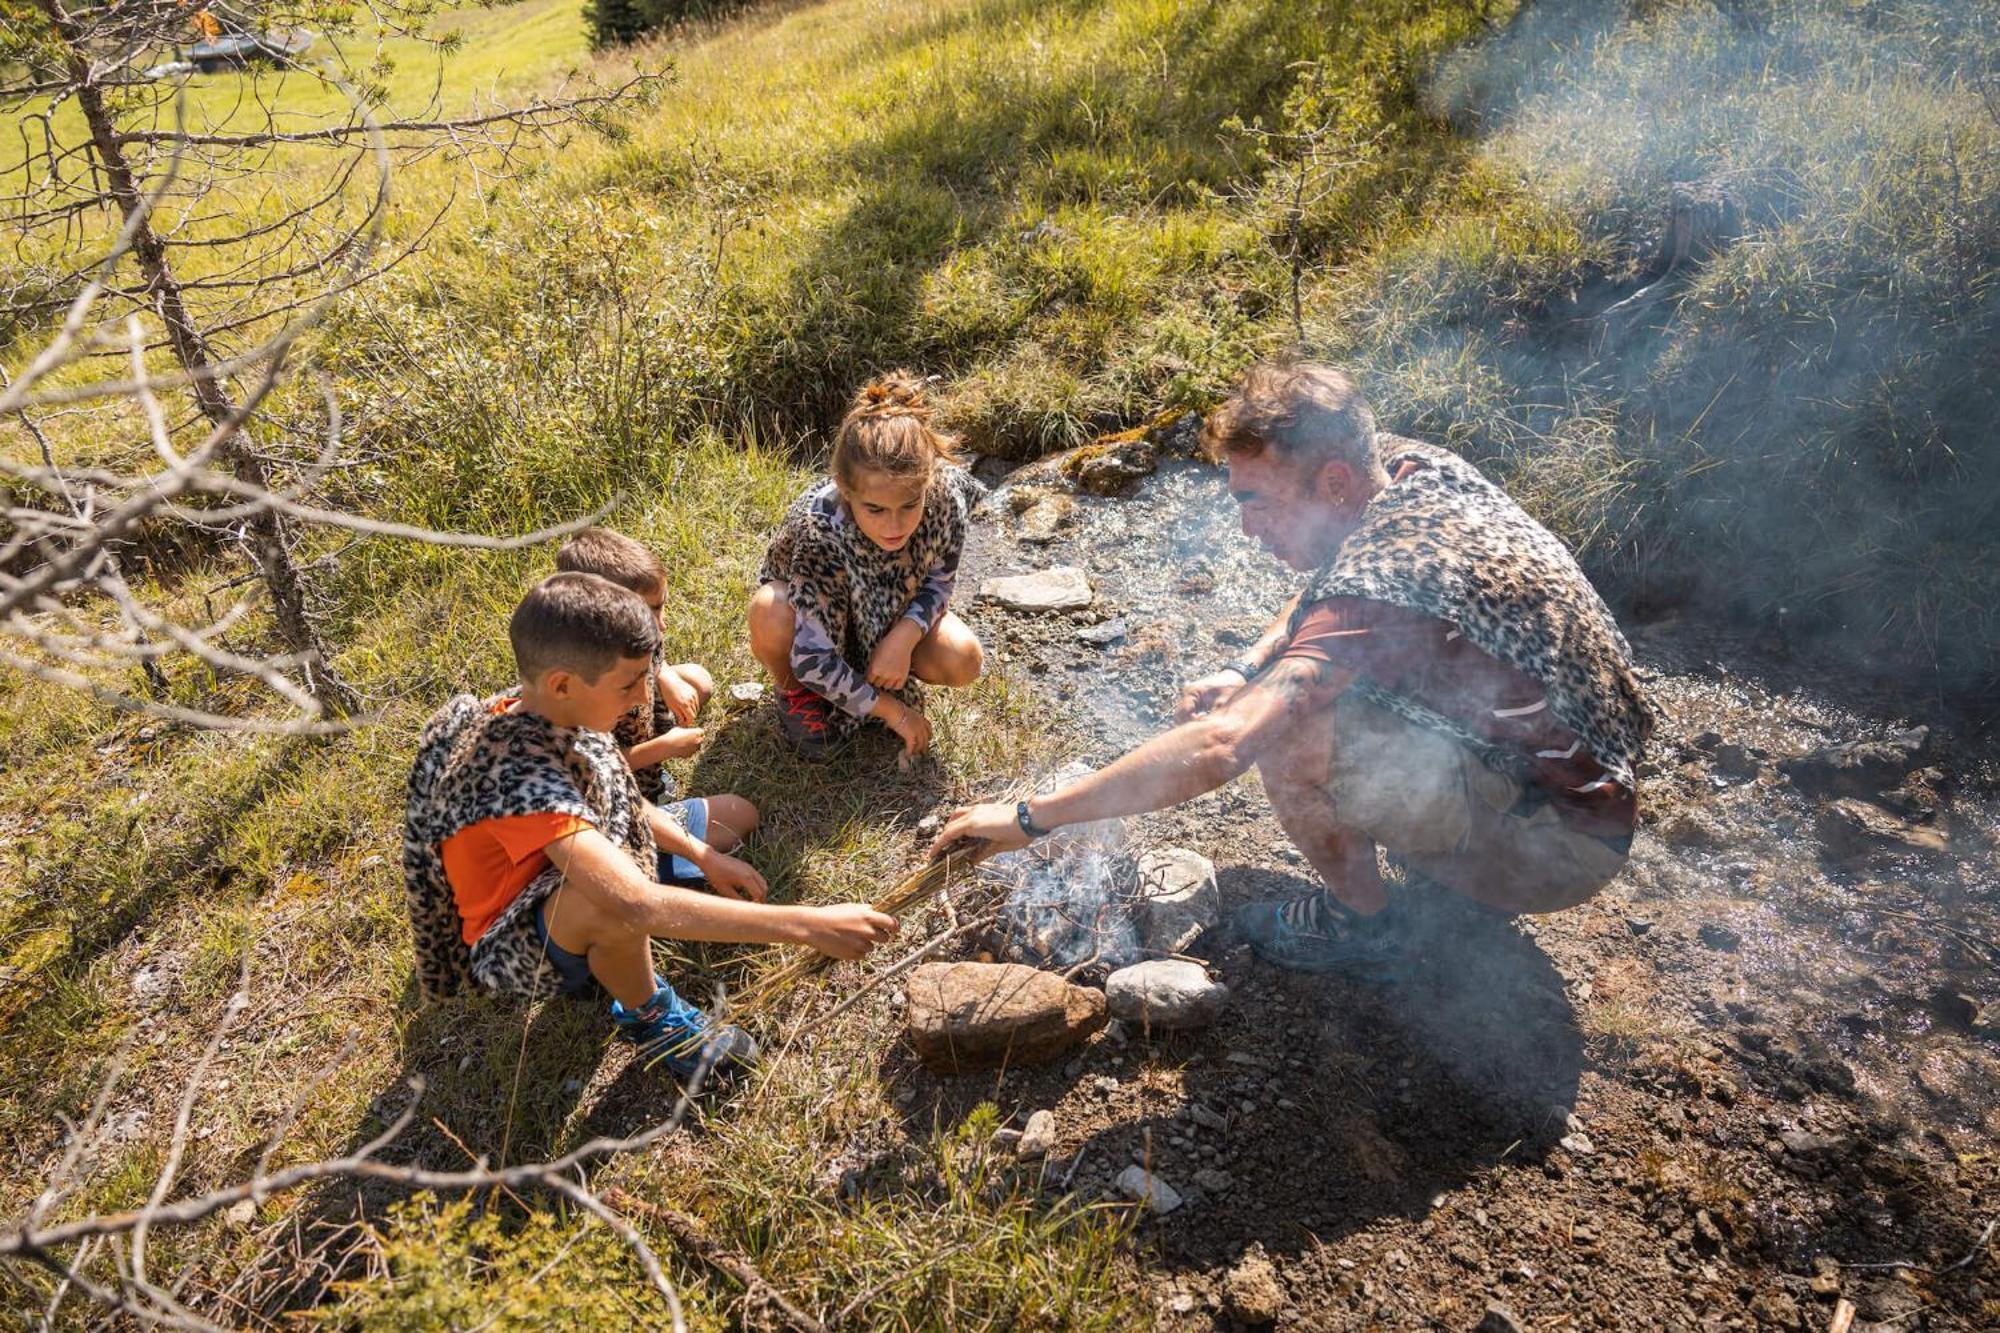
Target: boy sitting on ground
(532, 860)
(660, 726)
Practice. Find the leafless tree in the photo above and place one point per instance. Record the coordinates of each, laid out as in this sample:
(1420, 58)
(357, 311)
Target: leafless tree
(172, 257)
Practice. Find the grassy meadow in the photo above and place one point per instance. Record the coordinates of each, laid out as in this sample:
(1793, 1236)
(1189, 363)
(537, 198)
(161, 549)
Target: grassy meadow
(1076, 214)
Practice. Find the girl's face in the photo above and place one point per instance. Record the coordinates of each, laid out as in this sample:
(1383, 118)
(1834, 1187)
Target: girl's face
(886, 508)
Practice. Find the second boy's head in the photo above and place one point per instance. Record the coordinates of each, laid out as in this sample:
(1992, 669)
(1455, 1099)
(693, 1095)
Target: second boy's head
(884, 456)
(584, 648)
(614, 556)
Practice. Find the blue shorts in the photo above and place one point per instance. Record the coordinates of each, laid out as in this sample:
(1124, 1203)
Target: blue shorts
(678, 869)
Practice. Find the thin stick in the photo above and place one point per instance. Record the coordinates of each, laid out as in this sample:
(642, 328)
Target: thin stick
(688, 1234)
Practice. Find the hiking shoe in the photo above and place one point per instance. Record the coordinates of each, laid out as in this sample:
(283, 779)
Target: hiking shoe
(1317, 933)
(669, 1030)
(807, 720)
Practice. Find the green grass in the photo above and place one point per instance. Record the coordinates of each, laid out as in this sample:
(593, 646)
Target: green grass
(1076, 215)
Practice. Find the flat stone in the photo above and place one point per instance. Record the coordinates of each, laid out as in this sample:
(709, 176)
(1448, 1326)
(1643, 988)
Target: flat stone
(983, 1015)
(1500, 1319)
(1206, 1118)
(1166, 994)
(1038, 1140)
(1062, 588)
(1105, 634)
(747, 692)
(1857, 768)
(1251, 1291)
(1854, 828)
(1179, 897)
(241, 1213)
(1141, 1185)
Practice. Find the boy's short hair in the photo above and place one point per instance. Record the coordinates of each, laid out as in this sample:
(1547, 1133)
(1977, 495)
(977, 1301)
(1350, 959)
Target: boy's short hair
(613, 555)
(580, 623)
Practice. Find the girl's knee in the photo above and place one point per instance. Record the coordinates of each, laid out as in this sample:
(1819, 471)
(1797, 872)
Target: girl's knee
(731, 819)
(771, 619)
(698, 679)
(952, 656)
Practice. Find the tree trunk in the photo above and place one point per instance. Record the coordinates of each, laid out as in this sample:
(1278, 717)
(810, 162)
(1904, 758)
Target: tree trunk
(266, 534)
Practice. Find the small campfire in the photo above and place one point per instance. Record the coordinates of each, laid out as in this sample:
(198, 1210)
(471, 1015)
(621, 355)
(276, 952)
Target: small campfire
(1072, 905)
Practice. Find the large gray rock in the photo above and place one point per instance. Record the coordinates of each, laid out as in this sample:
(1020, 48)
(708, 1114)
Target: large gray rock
(1165, 993)
(983, 1015)
(1063, 588)
(1177, 888)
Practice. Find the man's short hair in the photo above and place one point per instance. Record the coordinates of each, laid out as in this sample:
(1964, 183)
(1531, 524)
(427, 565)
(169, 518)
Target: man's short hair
(1302, 410)
(580, 623)
(613, 555)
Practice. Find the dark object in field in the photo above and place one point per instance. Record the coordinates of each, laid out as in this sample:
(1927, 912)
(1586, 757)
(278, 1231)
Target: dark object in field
(237, 50)
(1857, 768)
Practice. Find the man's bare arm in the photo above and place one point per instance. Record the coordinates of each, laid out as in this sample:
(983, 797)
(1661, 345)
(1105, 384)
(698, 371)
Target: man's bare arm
(1175, 766)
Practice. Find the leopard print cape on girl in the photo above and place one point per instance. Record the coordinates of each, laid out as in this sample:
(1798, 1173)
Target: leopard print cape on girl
(1447, 543)
(474, 763)
(853, 587)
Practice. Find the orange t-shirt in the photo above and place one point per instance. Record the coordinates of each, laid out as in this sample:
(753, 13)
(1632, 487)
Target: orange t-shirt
(488, 864)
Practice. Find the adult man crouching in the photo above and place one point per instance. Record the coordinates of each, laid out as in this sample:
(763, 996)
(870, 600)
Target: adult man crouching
(1446, 684)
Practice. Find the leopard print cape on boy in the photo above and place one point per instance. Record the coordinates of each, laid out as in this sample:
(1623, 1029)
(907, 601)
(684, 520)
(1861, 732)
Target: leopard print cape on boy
(474, 763)
(1447, 543)
(648, 718)
(853, 587)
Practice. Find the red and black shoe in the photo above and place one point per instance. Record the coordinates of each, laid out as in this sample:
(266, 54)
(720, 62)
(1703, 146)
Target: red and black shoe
(807, 720)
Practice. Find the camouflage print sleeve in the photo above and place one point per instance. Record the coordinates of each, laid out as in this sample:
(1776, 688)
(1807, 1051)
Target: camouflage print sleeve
(821, 669)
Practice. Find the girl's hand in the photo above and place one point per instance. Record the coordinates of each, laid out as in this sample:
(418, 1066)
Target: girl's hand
(889, 665)
(911, 725)
(678, 695)
(680, 742)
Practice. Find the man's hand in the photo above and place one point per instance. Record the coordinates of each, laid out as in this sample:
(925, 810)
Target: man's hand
(1199, 697)
(993, 822)
(847, 930)
(889, 666)
(906, 722)
(733, 878)
(679, 696)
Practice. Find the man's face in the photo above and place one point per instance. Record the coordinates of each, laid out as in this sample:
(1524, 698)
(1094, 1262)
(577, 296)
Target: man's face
(1298, 515)
(599, 704)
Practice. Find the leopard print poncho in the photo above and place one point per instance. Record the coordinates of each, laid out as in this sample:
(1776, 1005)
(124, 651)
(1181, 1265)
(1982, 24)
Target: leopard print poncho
(853, 587)
(474, 763)
(1447, 543)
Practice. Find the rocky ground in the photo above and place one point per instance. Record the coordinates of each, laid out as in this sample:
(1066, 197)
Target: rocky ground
(1752, 1085)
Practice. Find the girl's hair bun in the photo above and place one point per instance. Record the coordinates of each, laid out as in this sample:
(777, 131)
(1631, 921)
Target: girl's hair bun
(896, 394)
(888, 429)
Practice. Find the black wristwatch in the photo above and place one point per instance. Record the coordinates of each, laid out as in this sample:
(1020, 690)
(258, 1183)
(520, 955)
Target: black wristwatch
(1028, 825)
(1245, 668)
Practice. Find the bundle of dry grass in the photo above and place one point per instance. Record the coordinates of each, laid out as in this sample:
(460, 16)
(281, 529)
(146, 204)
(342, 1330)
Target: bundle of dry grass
(926, 882)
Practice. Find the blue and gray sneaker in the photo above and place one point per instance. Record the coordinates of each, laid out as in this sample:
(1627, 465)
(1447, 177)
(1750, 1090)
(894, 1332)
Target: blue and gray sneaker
(673, 1032)
(1318, 933)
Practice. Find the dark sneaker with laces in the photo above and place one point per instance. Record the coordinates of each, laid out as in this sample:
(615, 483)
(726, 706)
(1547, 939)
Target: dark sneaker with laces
(807, 719)
(670, 1031)
(1317, 933)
